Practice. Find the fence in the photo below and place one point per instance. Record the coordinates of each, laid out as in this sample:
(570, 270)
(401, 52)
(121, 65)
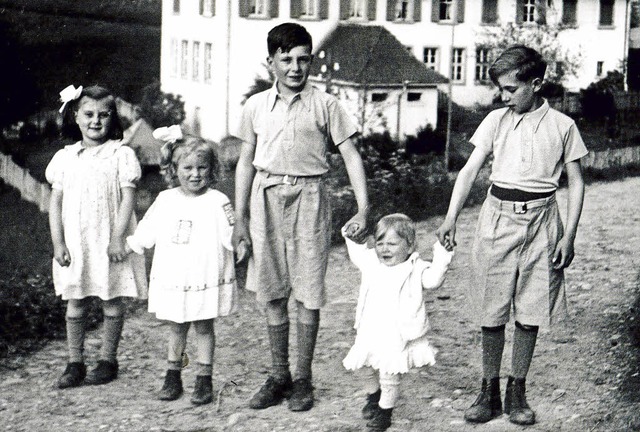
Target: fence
(30, 189)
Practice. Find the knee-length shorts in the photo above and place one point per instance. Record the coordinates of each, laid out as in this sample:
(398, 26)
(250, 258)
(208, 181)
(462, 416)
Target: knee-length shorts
(290, 227)
(513, 263)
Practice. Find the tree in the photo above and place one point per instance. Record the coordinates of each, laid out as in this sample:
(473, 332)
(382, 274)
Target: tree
(260, 83)
(562, 62)
(161, 109)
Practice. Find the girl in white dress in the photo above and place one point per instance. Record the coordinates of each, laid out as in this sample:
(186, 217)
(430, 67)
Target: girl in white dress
(91, 211)
(391, 318)
(193, 274)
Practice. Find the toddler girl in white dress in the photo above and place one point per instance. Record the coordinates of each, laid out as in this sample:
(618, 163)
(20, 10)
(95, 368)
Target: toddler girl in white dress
(391, 318)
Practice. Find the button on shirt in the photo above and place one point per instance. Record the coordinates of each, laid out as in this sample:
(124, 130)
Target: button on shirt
(294, 138)
(529, 149)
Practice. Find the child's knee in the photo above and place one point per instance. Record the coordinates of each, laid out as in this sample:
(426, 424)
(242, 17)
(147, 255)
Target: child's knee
(203, 327)
(527, 328)
(307, 316)
(113, 307)
(497, 329)
(77, 308)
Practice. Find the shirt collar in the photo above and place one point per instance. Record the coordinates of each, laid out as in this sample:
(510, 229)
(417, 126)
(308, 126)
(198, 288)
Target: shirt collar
(534, 117)
(304, 96)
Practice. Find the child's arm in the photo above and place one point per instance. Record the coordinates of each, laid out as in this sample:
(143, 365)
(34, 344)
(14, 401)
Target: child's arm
(564, 249)
(245, 172)
(447, 231)
(116, 249)
(433, 276)
(60, 251)
(357, 225)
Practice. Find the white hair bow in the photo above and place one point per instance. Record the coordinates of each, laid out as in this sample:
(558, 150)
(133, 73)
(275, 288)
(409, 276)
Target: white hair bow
(169, 134)
(69, 94)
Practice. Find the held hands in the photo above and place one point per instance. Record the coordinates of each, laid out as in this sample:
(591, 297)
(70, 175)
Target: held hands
(241, 240)
(61, 255)
(356, 228)
(563, 255)
(117, 250)
(447, 234)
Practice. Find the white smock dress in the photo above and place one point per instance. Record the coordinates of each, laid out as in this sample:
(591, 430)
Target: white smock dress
(391, 318)
(90, 179)
(192, 274)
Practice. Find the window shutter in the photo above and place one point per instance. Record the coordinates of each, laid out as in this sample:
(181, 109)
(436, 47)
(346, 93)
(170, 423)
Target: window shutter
(296, 9)
(243, 9)
(417, 10)
(460, 11)
(273, 8)
(201, 7)
(489, 11)
(391, 10)
(435, 10)
(344, 9)
(569, 12)
(371, 12)
(213, 7)
(541, 9)
(324, 9)
(519, 7)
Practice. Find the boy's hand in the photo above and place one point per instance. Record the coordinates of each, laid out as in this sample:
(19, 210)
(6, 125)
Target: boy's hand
(241, 240)
(356, 228)
(563, 254)
(61, 255)
(447, 235)
(116, 250)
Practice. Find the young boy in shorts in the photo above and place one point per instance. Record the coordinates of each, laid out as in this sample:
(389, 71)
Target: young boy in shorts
(520, 249)
(282, 206)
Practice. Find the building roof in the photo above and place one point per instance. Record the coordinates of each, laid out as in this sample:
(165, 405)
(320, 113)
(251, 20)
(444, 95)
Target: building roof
(370, 54)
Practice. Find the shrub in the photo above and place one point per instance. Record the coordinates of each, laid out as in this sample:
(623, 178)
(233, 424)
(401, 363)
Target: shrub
(159, 108)
(426, 141)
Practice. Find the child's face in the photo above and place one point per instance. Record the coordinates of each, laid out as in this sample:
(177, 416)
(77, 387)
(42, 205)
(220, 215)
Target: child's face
(194, 173)
(518, 95)
(94, 120)
(291, 68)
(392, 249)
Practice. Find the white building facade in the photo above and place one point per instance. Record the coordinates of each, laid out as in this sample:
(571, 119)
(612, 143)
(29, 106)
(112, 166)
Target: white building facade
(212, 50)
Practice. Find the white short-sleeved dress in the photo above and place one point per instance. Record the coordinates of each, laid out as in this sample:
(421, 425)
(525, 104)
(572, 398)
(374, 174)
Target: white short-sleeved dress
(193, 273)
(90, 179)
(383, 312)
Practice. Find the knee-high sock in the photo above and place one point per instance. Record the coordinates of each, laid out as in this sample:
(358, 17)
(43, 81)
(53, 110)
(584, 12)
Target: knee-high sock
(492, 348)
(389, 386)
(524, 343)
(206, 342)
(307, 336)
(279, 345)
(76, 328)
(111, 332)
(371, 380)
(177, 341)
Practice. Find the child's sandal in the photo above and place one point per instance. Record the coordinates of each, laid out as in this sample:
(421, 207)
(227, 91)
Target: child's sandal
(172, 387)
(371, 407)
(73, 375)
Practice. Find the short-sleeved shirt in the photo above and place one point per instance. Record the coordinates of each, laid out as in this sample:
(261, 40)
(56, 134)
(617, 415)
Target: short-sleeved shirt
(294, 138)
(529, 149)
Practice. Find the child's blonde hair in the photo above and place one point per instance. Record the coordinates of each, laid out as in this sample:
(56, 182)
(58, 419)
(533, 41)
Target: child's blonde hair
(402, 224)
(172, 152)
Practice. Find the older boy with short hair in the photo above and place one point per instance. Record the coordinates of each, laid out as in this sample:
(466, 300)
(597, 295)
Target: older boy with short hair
(520, 249)
(282, 205)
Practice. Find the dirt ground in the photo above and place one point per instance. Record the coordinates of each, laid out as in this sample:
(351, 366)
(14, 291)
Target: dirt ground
(584, 377)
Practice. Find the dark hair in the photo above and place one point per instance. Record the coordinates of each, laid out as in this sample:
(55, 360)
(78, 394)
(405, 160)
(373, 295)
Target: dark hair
(402, 224)
(95, 92)
(286, 37)
(172, 152)
(526, 61)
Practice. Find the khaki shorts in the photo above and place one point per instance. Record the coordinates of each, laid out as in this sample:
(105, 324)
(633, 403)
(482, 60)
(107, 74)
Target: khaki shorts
(512, 262)
(290, 229)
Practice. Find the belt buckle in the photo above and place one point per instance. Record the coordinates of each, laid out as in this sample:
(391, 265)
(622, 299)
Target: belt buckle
(289, 180)
(519, 207)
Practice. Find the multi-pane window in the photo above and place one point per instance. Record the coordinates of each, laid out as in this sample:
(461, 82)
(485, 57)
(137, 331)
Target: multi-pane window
(258, 8)
(569, 11)
(175, 58)
(207, 66)
(195, 61)
(176, 6)
(404, 10)
(309, 9)
(184, 59)
(358, 9)
(489, 11)
(457, 64)
(599, 68)
(483, 62)
(446, 10)
(606, 12)
(206, 8)
(529, 11)
(430, 57)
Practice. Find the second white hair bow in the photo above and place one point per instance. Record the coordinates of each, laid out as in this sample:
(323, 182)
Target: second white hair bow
(68, 94)
(168, 134)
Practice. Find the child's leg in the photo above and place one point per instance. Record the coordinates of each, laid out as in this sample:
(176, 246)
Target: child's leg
(492, 349)
(205, 337)
(307, 329)
(278, 385)
(76, 317)
(107, 368)
(372, 387)
(515, 402)
(389, 389)
(172, 387)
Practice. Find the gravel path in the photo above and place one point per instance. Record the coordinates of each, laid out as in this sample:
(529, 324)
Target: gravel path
(584, 377)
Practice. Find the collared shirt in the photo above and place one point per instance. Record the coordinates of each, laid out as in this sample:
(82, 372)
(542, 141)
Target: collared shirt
(294, 138)
(529, 149)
